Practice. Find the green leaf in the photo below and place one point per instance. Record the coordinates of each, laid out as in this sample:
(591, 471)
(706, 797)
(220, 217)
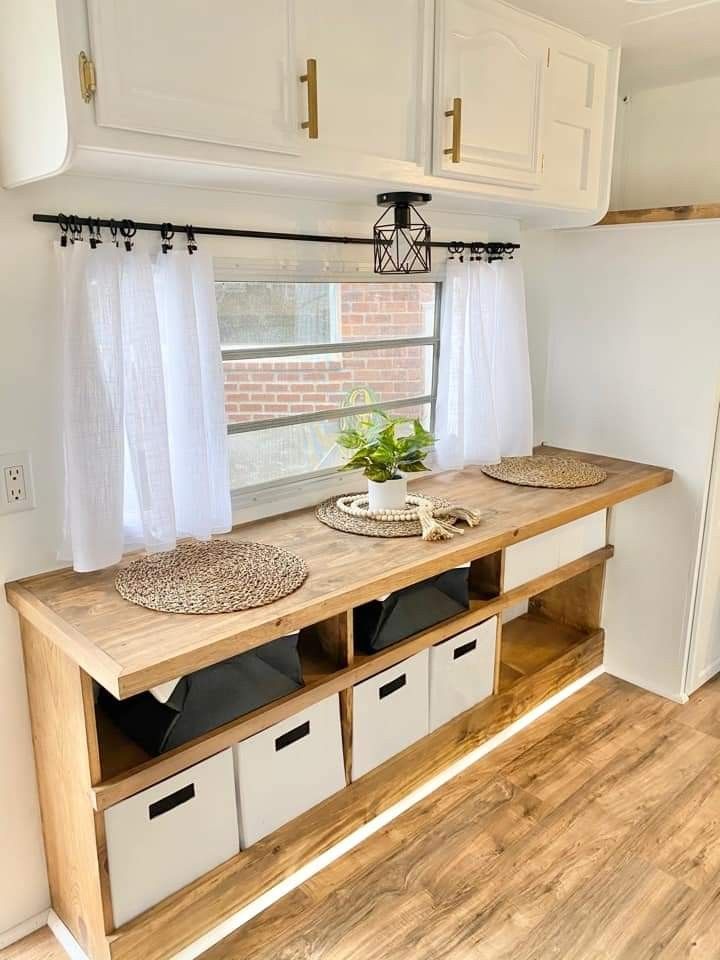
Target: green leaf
(379, 474)
(412, 466)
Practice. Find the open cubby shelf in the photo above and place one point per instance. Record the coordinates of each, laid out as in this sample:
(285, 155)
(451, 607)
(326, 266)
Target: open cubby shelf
(530, 642)
(77, 630)
(331, 666)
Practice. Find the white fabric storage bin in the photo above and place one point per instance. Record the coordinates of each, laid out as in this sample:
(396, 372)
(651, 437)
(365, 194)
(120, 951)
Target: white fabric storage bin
(462, 672)
(582, 536)
(165, 837)
(390, 712)
(546, 552)
(285, 770)
(530, 559)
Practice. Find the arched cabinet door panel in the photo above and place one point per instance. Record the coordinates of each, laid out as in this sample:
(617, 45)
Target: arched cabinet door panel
(494, 60)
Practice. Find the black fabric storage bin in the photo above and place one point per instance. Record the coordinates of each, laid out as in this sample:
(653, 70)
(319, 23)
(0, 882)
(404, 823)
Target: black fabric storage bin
(382, 623)
(209, 698)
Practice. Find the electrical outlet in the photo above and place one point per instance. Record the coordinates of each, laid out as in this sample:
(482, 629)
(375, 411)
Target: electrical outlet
(16, 491)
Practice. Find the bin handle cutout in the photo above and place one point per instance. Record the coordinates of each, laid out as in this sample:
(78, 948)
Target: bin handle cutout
(292, 736)
(172, 800)
(463, 649)
(392, 686)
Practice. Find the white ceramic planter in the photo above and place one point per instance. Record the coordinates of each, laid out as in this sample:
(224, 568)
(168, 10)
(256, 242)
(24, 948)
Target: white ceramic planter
(389, 495)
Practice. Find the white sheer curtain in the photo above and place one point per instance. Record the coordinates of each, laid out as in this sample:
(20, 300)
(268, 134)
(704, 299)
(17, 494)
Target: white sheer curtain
(484, 401)
(143, 414)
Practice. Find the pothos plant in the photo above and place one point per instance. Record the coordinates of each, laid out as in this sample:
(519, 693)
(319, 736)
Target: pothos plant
(383, 446)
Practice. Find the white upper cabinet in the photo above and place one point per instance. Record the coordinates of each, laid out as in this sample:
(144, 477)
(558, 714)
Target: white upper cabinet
(575, 119)
(222, 72)
(485, 106)
(374, 62)
(491, 66)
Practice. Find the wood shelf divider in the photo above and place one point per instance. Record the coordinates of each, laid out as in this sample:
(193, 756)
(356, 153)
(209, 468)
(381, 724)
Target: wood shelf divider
(360, 667)
(690, 211)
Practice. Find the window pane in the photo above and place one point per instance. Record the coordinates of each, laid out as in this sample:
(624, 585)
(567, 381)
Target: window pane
(284, 452)
(261, 389)
(257, 313)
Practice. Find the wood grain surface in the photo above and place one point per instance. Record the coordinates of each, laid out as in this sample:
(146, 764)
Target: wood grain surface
(593, 835)
(127, 648)
(691, 211)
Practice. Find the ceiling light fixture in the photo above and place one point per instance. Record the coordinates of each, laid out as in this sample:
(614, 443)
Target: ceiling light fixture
(401, 237)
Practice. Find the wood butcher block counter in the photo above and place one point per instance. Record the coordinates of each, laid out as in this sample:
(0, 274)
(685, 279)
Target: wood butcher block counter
(128, 649)
(538, 605)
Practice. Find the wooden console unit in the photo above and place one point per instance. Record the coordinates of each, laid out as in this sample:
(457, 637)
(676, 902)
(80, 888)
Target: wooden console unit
(77, 629)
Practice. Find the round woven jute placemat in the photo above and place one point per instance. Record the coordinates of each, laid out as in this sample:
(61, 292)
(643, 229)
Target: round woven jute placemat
(329, 514)
(558, 472)
(214, 576)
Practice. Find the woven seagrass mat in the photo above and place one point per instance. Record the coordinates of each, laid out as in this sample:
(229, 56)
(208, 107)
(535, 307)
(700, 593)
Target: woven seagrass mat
(214, 576)
(558, 472)
(328, 513)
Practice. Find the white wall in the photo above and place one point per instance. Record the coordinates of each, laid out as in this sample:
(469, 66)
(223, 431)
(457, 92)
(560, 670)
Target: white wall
(667, 145)
(634, 371)
(29, 420)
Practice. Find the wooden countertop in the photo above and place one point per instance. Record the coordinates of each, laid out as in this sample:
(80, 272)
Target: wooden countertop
(127, 648)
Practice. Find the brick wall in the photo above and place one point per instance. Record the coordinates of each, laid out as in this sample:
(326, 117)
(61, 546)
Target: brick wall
(258, 389)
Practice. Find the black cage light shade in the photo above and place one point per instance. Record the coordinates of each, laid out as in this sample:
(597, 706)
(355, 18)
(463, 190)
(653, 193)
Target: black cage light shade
(401, 237)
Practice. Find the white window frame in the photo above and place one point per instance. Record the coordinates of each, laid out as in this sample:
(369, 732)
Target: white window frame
(290, 493)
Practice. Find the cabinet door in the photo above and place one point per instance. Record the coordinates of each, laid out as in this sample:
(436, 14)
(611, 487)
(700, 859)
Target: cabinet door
(220, 72)
(373, 64)
(495, 60)
(575, 119)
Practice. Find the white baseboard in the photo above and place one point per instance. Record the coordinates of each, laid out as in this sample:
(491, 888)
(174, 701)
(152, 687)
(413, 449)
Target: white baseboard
(677, 696)
(66, 940)
(281, 889)
(706, 675)
(23, 929)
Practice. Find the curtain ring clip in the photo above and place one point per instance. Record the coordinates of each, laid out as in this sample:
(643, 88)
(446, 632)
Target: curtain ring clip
(191, 241)
(94, 235)
(127, 232)
(167, 232)
(64, 227)
(75, 228)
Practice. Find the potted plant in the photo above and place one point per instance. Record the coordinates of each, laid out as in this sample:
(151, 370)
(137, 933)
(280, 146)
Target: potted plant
(384, 448)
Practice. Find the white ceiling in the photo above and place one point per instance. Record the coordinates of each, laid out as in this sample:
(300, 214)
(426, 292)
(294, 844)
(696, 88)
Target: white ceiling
(663, 41)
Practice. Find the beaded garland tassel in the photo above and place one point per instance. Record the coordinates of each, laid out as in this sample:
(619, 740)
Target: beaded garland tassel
(437, 522)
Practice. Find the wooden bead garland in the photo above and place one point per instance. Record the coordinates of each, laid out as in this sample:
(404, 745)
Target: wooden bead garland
(352, 505)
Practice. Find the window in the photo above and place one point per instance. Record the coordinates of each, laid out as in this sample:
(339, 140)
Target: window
(300, 357)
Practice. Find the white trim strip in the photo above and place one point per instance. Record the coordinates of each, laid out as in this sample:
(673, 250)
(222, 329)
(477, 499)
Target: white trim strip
(24, 929)
(66, 940)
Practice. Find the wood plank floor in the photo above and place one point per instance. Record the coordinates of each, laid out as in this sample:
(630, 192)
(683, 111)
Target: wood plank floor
(593, 835)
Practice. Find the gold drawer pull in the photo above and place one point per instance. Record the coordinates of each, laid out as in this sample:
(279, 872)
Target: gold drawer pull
(310, 78)
(456, 114)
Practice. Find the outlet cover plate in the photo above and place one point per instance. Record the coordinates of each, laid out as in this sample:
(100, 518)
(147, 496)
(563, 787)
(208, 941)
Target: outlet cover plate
(16, 482)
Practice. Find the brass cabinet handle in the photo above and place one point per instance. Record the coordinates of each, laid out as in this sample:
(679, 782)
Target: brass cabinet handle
(310, 78)
(456, 114)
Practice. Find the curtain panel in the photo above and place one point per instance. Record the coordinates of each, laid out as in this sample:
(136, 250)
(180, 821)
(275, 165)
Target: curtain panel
(143, 415)
(484, 400)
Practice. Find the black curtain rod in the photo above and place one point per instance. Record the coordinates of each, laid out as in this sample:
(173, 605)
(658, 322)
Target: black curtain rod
(491, 247)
